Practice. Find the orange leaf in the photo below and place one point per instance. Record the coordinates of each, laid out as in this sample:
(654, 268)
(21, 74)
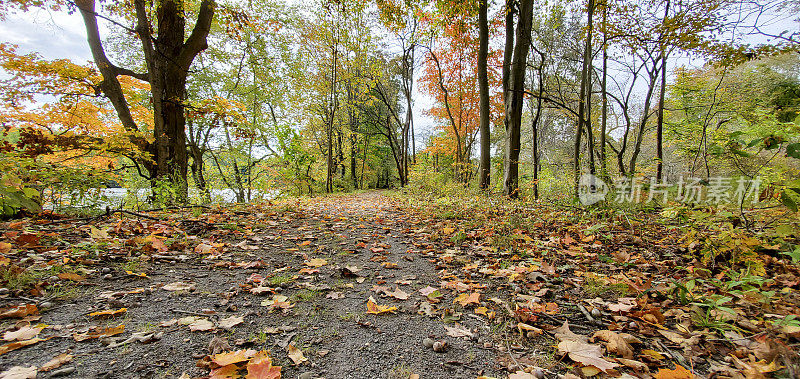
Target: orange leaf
(108, 313)
(105, 332)
(224, 359)
(19, 344)
(19, 311)
(225, 372)
(71, 276)
(464, 299)
(678, 373)
(260, 367)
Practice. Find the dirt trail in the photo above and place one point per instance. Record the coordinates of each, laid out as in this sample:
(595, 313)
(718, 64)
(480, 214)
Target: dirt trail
(324, 315)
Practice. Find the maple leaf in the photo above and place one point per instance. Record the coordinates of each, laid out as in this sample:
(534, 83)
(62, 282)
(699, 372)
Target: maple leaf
(375, 309)
(260, 367)
(224, 359)
(230, 371)
(295, 354)
(586, 354)
(466, 299)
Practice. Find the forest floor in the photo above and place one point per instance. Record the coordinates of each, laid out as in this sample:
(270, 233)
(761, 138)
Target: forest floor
(383, 285)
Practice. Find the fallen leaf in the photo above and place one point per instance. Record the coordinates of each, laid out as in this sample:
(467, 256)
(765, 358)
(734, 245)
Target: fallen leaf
(586, 354)
(376, 309)
(623, 304)
(521, 375)
(229, 322)
(18, 311)
(19, 372)
(224, 359)
(20, 344)
(5, 247)
(141, 275)
(615, 343)
(97, 333)
(316, 262)
(56, 362)
(71, 276)
(225, 372)
(564, 334)
(202, 325)
(178, 286)
(389, 265)
(678, 373)
(334, 295)
(458, 331)
(295, 354)
(260, 367)
(466, 299)
(428, 290)
(398, 294)
(277, 299)
(97, 233)
(23, 333)
(108, 313)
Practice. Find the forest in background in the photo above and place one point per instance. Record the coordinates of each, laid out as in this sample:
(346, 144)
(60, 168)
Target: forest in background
(262, 98)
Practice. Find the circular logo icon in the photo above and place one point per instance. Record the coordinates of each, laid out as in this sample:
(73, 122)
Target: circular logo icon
(591, 189)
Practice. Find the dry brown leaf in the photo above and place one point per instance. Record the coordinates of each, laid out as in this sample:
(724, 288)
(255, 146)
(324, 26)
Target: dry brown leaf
(19, 311)
(398, 294)
(56, 362)
(71, 276)
(97, 333)
(202, 325)
(23, 333)
(229, 322)
(316, 262)
(615, 343)
(458, 331)
(20, 344)
(19, 372)
(564, 334)
(295, 354)
(587, 354)
(178, 286)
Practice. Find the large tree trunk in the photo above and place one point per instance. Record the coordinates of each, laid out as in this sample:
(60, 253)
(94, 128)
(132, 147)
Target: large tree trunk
(514, 98)
(168, 59)
(483, 80)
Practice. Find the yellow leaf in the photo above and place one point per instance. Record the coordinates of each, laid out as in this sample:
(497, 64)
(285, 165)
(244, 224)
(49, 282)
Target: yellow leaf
(295, 354)
(108, 313)
(375, 309)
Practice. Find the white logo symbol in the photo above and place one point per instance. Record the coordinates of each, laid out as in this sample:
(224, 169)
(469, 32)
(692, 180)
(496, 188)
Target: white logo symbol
(591, 189)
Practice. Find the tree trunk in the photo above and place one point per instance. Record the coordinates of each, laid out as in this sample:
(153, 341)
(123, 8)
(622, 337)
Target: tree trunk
(587, 56)
(660, 122)
(483, 80)
(168, 58)
(604, 94)
(514, 99)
